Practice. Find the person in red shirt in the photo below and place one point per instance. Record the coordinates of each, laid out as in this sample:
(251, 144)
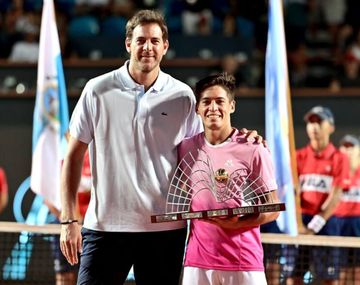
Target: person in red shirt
(323, 173)
(4, 196)
(348, 210)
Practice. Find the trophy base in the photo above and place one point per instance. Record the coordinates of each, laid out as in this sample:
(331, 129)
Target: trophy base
(227, 212)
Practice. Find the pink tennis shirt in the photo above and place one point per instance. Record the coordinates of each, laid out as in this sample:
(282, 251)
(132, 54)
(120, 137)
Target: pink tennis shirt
(210, 246)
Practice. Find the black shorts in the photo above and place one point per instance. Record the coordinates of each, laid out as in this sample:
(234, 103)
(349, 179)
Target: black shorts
(107, 257)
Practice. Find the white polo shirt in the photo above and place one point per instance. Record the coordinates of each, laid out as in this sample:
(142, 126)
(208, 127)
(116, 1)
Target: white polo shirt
(132, 137)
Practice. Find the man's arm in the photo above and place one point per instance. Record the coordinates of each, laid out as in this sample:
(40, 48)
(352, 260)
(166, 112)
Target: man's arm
(4, 194)
(70, 178)
(329, 205)
(70, 237)
(3, 200)
(327, 209)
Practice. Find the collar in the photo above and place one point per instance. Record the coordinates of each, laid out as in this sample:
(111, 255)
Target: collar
(326, 153)
(130, 84)
(232, 138)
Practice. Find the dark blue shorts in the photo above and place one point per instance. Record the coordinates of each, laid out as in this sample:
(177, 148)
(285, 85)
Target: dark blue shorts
(324, 261)
(272, 252)
(107, 257)
(350, 227)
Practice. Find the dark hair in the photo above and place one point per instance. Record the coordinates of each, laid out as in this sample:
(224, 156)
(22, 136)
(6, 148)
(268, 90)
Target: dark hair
(225, 80)
(146, 17)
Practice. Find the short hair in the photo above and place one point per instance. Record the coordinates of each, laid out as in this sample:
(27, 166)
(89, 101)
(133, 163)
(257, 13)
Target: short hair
(143, 17)
(225, 80)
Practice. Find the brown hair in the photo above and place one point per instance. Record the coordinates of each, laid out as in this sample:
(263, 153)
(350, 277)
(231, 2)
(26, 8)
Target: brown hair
(143, 17)
(225, 80)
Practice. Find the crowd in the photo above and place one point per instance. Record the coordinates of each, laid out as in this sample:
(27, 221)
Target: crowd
(322, 39)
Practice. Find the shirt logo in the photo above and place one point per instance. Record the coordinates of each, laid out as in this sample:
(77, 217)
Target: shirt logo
(229, 163)
(164, 114)
(315, 182)
(353, 195)
(328, 168)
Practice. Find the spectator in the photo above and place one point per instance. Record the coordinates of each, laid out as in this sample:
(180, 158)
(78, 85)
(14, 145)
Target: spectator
(349, 75)
(330, 12)
(237, 67)
(26, 50)
(296, 22)
(197, 18)
(10, 32)
(323, 174)
(348, 211)
(4, 193)
(298, 67)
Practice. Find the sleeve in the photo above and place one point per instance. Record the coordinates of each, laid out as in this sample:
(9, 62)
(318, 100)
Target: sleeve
(194, 124)
(81, 123)
(262, 166)
(3, 182)
(341, 171)
(298, 160)
(182, 149)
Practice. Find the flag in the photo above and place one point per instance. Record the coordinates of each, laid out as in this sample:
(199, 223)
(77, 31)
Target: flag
(51, 116)
(278, 117)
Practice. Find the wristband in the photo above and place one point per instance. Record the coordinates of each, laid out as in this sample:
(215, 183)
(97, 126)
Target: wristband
(68, 222)
(316, 223)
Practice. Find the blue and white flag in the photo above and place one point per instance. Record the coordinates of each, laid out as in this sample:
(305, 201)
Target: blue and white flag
(278, 116)
(51, 115)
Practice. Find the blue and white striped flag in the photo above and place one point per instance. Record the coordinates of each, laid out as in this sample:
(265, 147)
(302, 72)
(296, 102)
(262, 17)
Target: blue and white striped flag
(278, 115)
(51, 115)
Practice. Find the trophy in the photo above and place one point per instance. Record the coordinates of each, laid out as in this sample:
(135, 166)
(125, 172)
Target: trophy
(195, 174)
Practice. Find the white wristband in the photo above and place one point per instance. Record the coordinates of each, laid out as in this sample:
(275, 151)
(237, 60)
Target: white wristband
(316, 223)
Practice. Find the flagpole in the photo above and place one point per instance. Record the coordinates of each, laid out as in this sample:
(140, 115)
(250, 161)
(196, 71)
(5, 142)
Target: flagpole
(294, 172)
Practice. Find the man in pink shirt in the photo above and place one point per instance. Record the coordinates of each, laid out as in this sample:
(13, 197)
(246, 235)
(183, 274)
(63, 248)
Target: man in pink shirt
(224, 250)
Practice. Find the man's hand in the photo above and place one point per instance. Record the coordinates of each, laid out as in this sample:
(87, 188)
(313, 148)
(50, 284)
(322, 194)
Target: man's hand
(253, 135)
(306, 231)
(71, 242)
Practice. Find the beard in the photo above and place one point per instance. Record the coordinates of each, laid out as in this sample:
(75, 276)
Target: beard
(147, 64)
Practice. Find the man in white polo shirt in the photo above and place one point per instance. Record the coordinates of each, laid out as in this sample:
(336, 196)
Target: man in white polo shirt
(132, 120)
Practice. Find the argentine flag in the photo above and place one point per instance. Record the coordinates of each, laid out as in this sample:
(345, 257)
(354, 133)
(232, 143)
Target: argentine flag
(51, 116)
(278, 116)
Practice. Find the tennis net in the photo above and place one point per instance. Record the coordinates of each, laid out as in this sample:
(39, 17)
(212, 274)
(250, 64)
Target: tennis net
(27, 257)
